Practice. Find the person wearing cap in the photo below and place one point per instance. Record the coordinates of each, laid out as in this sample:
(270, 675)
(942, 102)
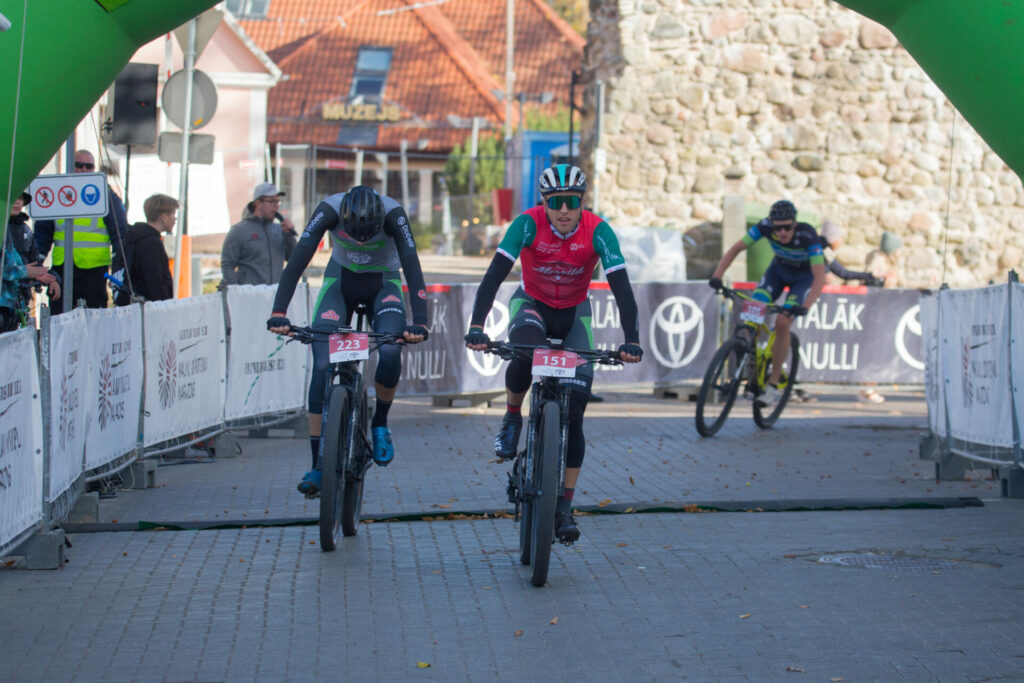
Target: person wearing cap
(95, 240)
(256, 247)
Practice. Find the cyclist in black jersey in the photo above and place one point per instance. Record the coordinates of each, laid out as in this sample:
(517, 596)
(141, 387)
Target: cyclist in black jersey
(798, 265)
(372, 239)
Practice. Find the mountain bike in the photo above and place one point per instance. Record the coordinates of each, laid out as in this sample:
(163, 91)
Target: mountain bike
(745, 360)
(538, 471)
(346, 448)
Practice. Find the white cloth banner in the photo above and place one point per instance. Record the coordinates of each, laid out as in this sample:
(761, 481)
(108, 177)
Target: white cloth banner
(185, 366)
(265, 374)
(69, 384)
(933, 377)
(652, 254)
(115, 384)
(975, 363)
(21, 435)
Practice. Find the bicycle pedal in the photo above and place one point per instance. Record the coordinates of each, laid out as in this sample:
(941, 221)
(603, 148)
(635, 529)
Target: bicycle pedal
(511, 489)
(313, 496)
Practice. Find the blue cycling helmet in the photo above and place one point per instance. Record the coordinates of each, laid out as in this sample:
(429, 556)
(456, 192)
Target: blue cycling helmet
(562, 178)
(361, 213)
(782, 210)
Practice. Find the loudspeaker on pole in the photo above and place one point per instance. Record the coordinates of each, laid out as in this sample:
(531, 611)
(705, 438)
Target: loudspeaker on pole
(134, 104)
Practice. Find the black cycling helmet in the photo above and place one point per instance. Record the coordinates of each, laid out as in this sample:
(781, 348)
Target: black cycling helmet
(362, 213)
(782, 210)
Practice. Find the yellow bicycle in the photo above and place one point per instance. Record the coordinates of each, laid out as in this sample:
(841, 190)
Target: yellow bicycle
(745, 360)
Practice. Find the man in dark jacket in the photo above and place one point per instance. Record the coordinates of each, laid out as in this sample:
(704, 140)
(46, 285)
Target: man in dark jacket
(256, 248)
(148, 272)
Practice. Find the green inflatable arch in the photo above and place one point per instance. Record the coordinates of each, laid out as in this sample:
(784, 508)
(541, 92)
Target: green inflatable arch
(58, 58)
(60, 55)
(974, 51)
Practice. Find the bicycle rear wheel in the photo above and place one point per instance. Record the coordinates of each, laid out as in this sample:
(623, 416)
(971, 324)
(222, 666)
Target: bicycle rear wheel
(333, 441)
(354, 475)
(721, 385)
(765, 419)
(545, 490)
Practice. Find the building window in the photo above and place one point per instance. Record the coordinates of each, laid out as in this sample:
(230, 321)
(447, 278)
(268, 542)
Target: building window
(248, 8)
(371, 74)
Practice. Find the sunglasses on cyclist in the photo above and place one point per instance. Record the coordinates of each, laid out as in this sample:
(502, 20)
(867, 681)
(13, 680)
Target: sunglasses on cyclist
(86, 165)
(783, 228)
(572, 201)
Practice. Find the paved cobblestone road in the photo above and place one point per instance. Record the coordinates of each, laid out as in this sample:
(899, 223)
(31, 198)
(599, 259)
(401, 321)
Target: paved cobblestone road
(716, 596)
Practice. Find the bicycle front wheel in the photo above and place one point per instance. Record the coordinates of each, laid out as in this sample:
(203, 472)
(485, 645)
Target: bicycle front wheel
(721, 385)
(333, 441)
(545, 491)
(355, 471)
(765, 419)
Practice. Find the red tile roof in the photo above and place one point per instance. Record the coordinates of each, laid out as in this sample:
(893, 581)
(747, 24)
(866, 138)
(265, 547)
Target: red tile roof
(448, 59)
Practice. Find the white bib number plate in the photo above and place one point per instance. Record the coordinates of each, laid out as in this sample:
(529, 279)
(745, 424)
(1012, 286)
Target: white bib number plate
(554, 363)
(346, 346)
(753, 311)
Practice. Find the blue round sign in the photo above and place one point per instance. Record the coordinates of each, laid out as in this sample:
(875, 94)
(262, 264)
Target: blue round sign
(90, 194)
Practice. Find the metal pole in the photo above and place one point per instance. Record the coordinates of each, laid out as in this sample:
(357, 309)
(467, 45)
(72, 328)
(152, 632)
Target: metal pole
(404, 148)
(359, 167)
(520, 142)
(277, 165)
(510, 74)
(572, 110)
(190, 64)
(68, 290)
(1014, 422)
(598, 150)
(474, 149)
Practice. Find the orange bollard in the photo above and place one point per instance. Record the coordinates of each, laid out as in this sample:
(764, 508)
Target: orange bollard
(185, 276)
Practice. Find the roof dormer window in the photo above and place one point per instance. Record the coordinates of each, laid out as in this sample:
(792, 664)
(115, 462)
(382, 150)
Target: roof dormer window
(371, 75)
(250, 9)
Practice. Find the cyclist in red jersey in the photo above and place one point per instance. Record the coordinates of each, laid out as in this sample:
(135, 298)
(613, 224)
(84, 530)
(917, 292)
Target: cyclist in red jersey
(559, 244)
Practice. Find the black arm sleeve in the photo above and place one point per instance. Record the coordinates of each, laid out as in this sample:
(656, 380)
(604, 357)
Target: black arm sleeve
(496, 273)
(618, 280)
(324, 219)
(840, 271)
(396, 224)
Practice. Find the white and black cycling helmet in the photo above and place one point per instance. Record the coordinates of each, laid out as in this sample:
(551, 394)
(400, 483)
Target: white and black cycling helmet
(361, 213)
(562, 178)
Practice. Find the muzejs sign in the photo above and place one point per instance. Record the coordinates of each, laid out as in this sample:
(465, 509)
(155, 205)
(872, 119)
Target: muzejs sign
(70, 195)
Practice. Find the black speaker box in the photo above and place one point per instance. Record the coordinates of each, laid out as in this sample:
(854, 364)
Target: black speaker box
(133, 115)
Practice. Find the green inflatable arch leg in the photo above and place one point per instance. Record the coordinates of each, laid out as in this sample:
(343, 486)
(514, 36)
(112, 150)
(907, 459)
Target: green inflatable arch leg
(58, 58)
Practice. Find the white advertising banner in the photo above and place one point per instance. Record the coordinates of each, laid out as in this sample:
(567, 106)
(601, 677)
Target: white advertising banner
(652, 254)
(933, 378)
(185, 366)
(975, 360)
(69, 384)
(1017, 350)
(114, 390)
(21, 435)
(265, 373)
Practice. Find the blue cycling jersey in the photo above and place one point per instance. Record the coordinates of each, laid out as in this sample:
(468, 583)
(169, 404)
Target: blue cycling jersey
(802, 252)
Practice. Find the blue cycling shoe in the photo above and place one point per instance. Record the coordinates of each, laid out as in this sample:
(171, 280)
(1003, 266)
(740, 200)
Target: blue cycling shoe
(310, 484)
(383, 449)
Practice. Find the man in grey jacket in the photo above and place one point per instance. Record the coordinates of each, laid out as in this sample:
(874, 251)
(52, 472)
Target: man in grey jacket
(256, 247)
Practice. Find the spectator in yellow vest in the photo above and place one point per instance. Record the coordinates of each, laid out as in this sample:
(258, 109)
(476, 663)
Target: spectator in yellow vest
(93, 240)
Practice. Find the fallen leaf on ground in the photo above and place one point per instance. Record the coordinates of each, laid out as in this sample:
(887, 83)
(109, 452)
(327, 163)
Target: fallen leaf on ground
(793, 668)
(805, 606)
(518, 633)
(745, 616)
(622, 545)
(554, 621)
(631, 481)
(423, 665)
(604, 502)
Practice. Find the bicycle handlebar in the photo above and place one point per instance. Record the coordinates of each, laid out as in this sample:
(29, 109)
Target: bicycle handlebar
(735, 294)
(508, 351)
(307, 335)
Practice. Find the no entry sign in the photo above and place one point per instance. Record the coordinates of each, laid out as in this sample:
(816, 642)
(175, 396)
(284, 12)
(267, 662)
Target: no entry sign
(70, 195)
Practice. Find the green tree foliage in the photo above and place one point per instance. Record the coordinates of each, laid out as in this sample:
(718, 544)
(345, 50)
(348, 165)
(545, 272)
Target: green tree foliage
(575, 12)
(490, 165)
(537, 119)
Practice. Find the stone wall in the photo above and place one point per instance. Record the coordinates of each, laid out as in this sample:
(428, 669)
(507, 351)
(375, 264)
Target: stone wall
(801, 99)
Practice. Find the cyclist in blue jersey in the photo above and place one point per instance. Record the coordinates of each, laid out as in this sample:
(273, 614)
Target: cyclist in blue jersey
(372, 239)
(799, 264)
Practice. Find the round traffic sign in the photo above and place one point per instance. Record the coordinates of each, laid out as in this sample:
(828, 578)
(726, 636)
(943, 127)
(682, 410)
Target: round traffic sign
(204, 99)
